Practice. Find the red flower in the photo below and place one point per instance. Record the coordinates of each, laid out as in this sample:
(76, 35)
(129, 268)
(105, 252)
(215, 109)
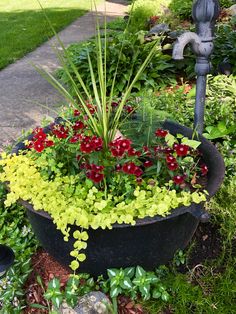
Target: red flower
(168, 150)
(117, 152)
(138, 171)
(78, 125)
(181, 149)
(133, 152)
(170, 158)
(86, 147)
(118, 167)
(129, 167)
(40, 136)
(129, 109)
(49, 143)
(178, 179)
(96, 168)
(172, 166)
(161, 133)
(76, 112)
(60, 131)
(91, 108)
(74, 139)
(97, 143)
(147, 163)
(125, 144)
(204, 169)
(38, 146)
(96, 177)
(114, 104)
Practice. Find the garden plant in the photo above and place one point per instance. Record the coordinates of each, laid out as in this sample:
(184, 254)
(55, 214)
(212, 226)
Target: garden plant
(92, 152)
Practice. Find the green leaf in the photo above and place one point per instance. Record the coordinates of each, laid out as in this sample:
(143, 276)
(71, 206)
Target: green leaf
(115, 292)
(112, 272)
(140, 272)
(191, 143)
(129, 271)
(57, 301)
(170, 139)
(38, 306)
(126, 283)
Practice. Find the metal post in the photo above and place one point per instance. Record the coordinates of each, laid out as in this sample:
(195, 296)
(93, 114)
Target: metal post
(205, 13)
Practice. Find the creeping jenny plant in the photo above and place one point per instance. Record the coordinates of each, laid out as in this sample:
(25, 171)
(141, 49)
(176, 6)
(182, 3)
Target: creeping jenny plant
(84, 172)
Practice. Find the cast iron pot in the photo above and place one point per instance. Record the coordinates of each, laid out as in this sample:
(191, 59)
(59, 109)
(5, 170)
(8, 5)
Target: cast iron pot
(149, 243)
(7, 257)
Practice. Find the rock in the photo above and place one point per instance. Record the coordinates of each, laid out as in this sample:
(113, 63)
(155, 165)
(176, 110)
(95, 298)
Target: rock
(159, 29)
(66, 309)
(232, 10)
(94, 302)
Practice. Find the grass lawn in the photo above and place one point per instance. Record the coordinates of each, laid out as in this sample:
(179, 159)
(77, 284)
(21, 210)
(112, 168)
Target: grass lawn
(23, 26)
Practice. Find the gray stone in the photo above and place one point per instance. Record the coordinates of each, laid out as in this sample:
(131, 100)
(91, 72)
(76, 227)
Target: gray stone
(159, 29)
(94, 302)
(232, 10)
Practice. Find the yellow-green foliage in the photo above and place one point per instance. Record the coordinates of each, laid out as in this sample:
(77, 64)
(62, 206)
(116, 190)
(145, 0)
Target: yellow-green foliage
(71, 203)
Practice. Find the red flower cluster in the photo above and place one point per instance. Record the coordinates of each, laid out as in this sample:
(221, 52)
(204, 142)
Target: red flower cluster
(40, 141)
(131, 168)
(171, 163)
(181, 149)
(60, 131)
(120, 146)
(90, 144)
(161, 133)
(95, 173)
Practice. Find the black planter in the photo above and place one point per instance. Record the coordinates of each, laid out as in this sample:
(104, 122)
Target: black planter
(6, 258)
(151, 242)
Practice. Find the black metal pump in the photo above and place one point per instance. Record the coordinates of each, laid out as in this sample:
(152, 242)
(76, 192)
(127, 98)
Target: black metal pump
(205, 13)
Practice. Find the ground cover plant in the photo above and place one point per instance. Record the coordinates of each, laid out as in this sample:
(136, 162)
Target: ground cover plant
(201, 285)
(23, 26)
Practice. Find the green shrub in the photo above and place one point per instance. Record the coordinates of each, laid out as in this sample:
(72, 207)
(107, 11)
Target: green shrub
(225, 45)
(142, 10)
(183, 9)
(125, 54)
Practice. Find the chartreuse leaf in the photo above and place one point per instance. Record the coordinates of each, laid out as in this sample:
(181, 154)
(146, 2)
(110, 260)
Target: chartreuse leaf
(170, 139)
(191, 143)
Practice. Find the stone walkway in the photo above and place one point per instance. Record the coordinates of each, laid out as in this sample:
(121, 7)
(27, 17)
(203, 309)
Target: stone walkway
(24, 94)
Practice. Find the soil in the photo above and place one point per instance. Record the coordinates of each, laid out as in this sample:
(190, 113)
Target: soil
(206, 246)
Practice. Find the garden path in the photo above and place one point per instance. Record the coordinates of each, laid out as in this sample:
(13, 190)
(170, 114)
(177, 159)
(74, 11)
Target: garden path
(25, 97)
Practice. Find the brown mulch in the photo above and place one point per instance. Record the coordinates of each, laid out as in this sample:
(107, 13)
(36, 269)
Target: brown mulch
(46, 268)
(207, 245)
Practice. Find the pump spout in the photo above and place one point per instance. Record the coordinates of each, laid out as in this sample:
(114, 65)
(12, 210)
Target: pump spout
(182, 41)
